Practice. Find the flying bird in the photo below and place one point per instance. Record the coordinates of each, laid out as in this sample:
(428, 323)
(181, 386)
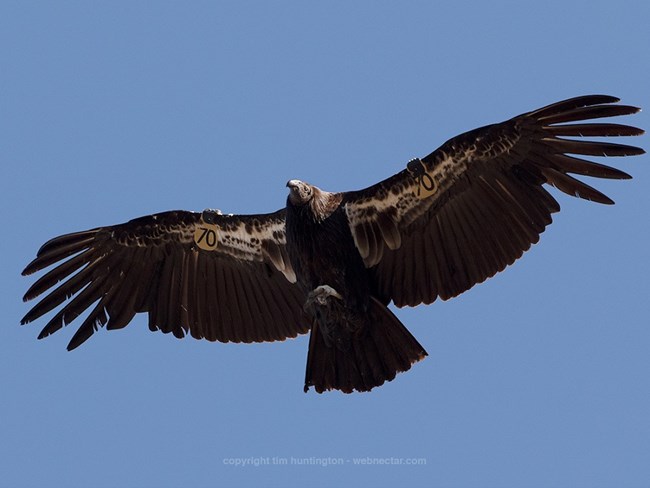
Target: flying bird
(330, 263)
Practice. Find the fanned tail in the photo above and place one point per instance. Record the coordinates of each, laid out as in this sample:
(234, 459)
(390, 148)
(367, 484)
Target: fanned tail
(381, 349)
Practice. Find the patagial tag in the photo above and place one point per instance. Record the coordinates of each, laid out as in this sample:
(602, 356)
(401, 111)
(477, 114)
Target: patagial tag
(426, 186)
(206, 236)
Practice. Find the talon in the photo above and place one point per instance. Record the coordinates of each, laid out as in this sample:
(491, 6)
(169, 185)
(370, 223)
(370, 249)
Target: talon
(321, 293)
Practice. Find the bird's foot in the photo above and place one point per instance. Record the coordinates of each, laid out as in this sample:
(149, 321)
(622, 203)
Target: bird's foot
(321, 295)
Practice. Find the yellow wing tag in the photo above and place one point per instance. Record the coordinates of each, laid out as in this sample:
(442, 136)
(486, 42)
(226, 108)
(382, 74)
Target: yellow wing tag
(206, 236)
(426, 186)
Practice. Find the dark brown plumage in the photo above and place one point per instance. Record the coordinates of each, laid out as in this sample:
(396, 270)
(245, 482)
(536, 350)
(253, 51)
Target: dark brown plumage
(332, 262)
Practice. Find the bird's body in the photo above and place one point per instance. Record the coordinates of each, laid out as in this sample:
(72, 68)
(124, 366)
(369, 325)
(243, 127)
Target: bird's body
(333, 262)
(310, 237)
(351, 329)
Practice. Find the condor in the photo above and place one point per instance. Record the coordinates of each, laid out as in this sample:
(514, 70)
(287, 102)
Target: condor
(331, 263)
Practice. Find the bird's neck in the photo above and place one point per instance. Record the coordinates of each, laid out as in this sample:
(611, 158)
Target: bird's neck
(323, 204)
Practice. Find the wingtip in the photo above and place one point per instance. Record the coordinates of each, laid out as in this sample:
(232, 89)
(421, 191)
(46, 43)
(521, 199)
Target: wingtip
(630, 151)
(29, 269)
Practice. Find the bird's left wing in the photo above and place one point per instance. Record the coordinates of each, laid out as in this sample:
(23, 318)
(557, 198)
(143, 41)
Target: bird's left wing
(473, 206)
(218, 277)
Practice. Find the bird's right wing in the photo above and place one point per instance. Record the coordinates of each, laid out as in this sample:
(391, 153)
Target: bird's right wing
(227, 279)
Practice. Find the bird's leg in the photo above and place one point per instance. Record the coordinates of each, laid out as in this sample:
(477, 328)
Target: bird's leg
(325, 305)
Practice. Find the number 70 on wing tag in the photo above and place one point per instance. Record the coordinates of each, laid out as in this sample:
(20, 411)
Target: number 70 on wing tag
(206, 236)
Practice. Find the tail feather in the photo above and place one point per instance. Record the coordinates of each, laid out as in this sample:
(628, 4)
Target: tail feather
(383, 348)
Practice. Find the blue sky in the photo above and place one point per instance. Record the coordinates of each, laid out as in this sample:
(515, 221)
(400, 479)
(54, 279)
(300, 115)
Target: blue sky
(113, 110)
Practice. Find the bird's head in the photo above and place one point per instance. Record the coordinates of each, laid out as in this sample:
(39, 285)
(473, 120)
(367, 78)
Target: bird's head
(300, 193)
(308, 198)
